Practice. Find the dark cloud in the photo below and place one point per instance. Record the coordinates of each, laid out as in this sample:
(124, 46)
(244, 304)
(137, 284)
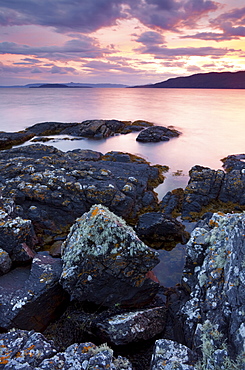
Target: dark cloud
(90, 15)
(173, 15)
(164, 52)
(75, 49)
(63, 70)
(64, 16)
(109, 67)
(151, 38)
(231, 25)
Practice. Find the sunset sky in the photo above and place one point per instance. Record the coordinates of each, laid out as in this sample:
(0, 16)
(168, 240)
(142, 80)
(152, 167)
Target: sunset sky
(118, 41)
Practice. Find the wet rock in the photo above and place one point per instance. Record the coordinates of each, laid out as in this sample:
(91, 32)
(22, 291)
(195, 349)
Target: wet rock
(156, 134)
(53, 188)
(171, 355)
(5, 262)
(8, 139)
(30, 297)
(132, 326)
(159, 230)
(21, 349)
(214, 274)
(104, 261)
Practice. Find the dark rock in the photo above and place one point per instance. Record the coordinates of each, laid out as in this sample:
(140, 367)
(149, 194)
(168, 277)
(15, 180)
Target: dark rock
(234, 162)
(209, 187)
(18, 239)
(104, 261)
(214, 274)
(172, 201)
(5, 262)
(8, 139)
(160, 230)
(132, 326)
(53, 188)
(49, 128)
(157, 133)
(30, 297)
(172, 355)
(96, 128)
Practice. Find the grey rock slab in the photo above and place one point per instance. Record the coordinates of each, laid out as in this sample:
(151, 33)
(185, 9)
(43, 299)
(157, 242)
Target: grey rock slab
(30, 296)
(134, 326)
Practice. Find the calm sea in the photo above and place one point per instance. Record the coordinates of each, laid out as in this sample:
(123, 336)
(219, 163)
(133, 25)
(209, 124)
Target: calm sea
(212, 122)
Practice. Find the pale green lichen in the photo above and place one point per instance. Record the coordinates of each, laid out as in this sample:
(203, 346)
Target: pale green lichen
(100, 232)
(213, 344)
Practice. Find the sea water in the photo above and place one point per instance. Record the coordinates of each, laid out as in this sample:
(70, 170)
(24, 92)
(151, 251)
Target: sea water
(212, 123)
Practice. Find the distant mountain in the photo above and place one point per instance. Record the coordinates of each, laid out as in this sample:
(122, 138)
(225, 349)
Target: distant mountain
(212, 80)
(58, 86)
(64, 85)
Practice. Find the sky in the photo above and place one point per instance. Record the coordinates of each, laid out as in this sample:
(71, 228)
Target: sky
(130, 42)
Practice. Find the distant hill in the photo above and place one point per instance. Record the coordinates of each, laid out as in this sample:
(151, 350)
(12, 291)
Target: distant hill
(212, 80)
(58, 86)
(64, 85)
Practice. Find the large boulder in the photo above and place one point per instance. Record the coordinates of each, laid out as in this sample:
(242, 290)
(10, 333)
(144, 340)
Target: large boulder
(156, 134)
(29, 297)
(53, 188)
(215, 277)
(105, 262)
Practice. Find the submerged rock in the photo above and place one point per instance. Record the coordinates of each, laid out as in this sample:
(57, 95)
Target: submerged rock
(105, 262)
(156, 134)
(215, 276)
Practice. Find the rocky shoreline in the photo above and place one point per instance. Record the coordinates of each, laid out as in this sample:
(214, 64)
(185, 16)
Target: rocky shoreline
(78, 240)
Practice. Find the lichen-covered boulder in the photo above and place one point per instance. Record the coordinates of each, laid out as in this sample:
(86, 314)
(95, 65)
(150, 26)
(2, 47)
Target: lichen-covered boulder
(214, 274)
(105, 262)
(132, 326)
(170, 355)
(20, 349)
(29, 297)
